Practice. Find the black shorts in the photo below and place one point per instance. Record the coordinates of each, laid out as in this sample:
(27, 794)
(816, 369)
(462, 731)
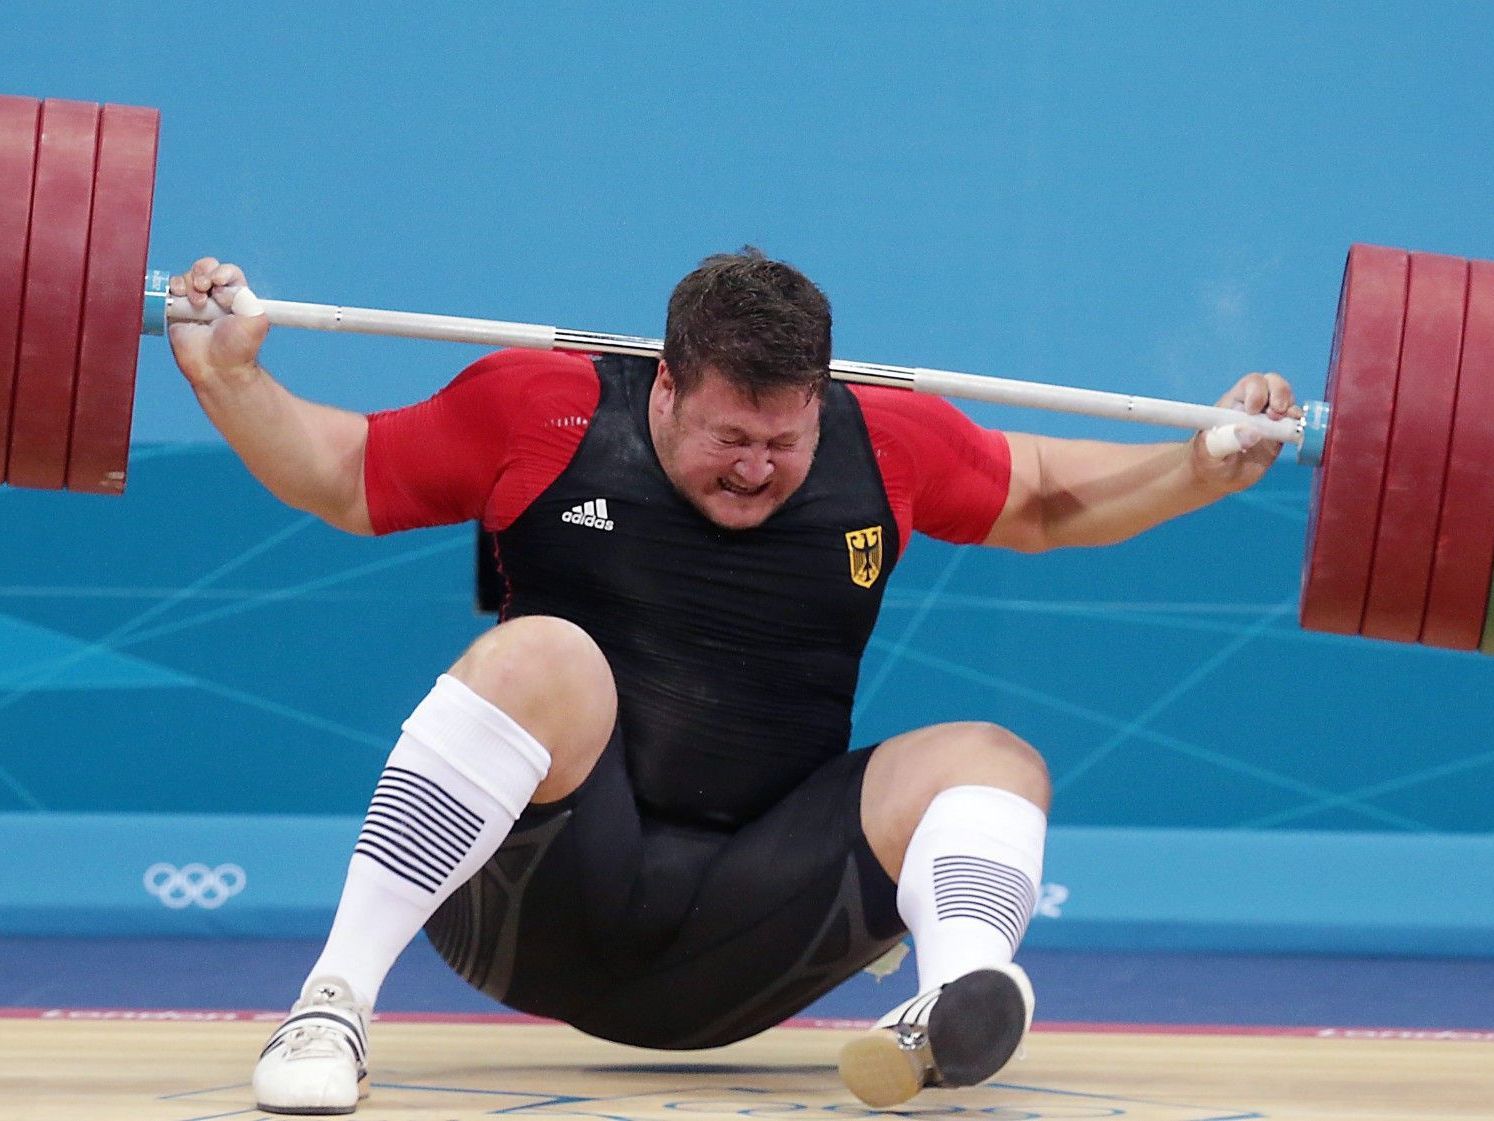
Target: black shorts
(666, 935)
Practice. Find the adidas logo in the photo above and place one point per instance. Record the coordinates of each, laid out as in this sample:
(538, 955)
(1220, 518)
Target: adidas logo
(591, 514)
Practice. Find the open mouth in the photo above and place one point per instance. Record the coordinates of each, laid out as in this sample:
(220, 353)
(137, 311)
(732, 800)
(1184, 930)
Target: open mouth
(741, 491)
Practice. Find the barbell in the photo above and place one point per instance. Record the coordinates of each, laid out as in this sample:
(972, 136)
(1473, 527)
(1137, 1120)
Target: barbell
(1400, 541)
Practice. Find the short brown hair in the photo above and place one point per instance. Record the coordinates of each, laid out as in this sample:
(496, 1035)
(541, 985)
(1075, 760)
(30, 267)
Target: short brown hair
(763, 324)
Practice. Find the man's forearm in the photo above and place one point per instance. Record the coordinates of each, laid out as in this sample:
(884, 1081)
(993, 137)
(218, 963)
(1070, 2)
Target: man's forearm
(1099, 494)
(1082, 492)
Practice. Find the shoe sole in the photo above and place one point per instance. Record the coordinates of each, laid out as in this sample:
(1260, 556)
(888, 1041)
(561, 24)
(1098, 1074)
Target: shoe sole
(306, 1111)
(317, 1110)
(878, 1071)
(976, 1027)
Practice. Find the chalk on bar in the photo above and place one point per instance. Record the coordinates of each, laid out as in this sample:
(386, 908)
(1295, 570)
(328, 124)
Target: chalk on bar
(1221, 442)
(247, 304)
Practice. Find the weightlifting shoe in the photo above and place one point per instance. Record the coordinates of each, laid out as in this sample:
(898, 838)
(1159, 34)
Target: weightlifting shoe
(957, 1035)
(316, 1062)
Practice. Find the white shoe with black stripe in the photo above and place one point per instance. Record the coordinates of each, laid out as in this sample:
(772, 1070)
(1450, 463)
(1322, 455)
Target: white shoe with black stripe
(957, 1035)
(316, 1062)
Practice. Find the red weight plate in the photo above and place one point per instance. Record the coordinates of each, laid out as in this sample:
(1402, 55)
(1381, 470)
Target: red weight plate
(1416, 465)
(119, 236)
(56, 261)
(1463, 565)
(18, 118)
(1346, 486)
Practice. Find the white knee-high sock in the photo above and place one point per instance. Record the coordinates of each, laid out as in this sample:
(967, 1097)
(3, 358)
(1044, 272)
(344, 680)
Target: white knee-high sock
(970, 880)
(453, 785)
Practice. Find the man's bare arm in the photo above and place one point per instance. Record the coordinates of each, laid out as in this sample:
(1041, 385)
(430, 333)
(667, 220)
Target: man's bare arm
(1085, 492)
(310, 456)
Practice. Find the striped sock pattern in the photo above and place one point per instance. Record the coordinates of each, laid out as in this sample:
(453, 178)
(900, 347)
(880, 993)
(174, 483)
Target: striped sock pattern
(973, 887)
(459, 775)
(416, 829)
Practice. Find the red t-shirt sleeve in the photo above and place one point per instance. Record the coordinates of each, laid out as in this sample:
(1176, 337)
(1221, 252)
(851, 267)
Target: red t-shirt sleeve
(440, 461)
(944, 474)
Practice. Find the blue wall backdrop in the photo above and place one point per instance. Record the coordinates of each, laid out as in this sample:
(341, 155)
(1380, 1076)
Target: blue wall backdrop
(1145, 197)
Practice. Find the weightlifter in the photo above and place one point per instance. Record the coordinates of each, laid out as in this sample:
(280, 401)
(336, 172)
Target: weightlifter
(630, 805)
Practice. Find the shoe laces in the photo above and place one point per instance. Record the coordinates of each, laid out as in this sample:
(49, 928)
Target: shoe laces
(327, 1022)
(316, 1041)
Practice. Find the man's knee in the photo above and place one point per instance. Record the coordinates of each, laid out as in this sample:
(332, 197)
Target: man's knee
(918, 765)
(550, 676)
(982, 754)
(909, 771)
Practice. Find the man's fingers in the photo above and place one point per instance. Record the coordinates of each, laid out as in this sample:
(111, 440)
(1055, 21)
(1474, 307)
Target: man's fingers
(207, 279)
(1257, 393)
(200, 280)
(1268, 393)
(198, 286)
(1279, 400)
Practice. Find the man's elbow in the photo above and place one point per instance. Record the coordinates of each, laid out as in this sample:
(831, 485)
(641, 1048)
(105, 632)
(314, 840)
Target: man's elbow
(345, 493)
(1021, 533)
(352, 519)
(343, 507)
(1057, 524)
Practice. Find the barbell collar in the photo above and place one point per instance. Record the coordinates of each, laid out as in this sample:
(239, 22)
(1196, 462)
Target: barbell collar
(1314, 423)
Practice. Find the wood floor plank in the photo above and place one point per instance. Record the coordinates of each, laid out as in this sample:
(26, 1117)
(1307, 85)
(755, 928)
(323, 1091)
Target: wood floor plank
(125, 1070)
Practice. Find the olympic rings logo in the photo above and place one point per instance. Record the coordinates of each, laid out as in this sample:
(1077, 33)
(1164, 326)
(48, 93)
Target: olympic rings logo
(194, 884)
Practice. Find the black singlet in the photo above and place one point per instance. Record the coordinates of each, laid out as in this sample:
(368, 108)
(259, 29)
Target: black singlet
(736, 653)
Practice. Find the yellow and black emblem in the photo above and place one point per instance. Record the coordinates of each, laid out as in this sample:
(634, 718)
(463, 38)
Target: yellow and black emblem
(865, 547)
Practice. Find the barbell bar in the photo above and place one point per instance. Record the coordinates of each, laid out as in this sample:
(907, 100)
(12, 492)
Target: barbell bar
(162, 309)
(1401, 535)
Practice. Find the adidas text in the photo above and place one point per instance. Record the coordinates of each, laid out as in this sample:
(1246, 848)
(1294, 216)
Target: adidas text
(591, 514)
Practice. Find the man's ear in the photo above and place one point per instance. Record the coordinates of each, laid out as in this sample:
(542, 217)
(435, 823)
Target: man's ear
(664, 385)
